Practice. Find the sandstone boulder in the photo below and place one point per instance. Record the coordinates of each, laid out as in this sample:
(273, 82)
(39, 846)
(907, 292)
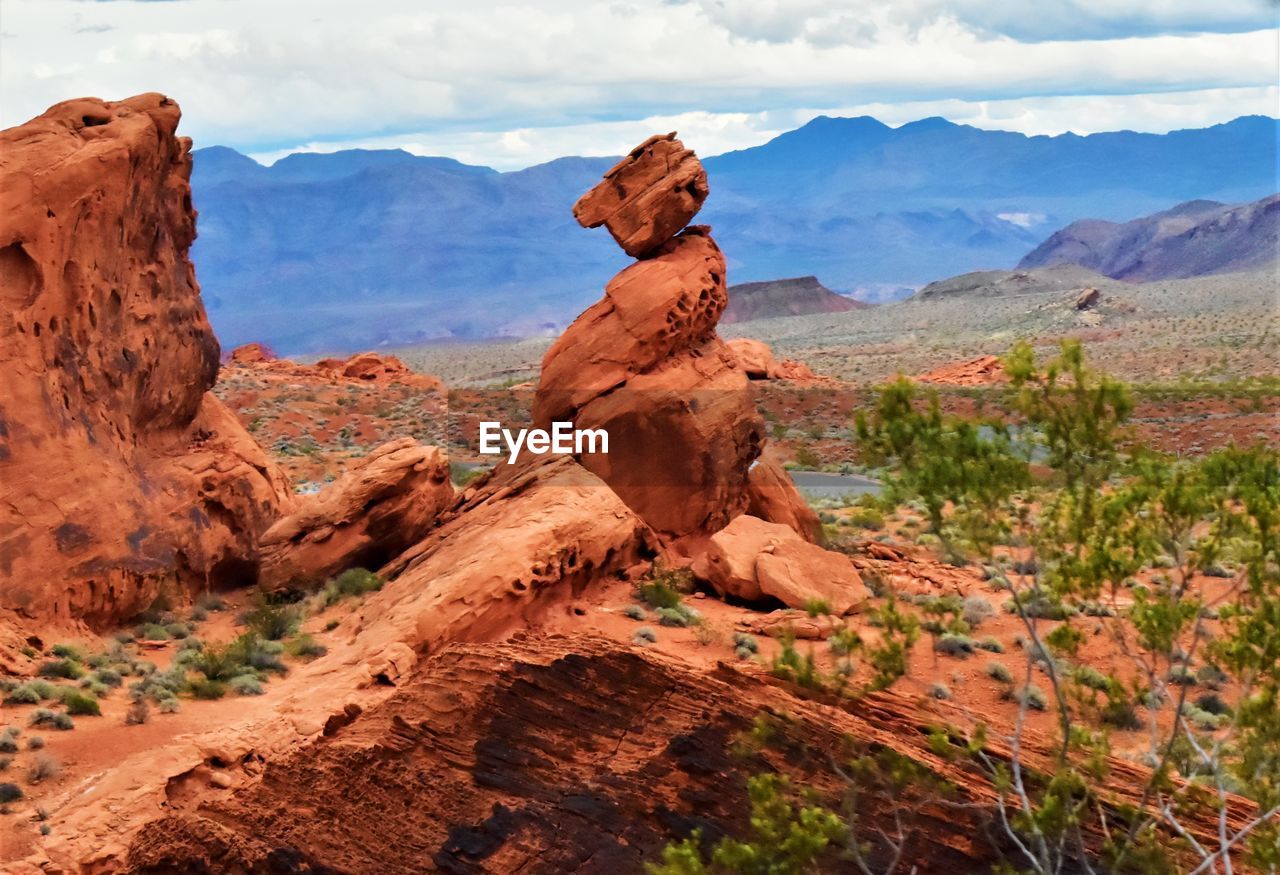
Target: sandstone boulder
(773, 497)
(120, 476)
(751, 559)
(384, 504)
(648, 196)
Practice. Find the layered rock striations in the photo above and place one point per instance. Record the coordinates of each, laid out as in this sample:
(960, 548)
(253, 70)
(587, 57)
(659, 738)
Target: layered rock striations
(120, 475)
(645, 363)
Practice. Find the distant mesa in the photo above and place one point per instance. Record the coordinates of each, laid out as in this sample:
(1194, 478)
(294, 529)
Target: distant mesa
(797, 296)
(1196, 238)
(1024, 281)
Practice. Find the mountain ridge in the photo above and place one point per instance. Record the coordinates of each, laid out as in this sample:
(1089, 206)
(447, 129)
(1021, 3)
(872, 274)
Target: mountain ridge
(364, 248)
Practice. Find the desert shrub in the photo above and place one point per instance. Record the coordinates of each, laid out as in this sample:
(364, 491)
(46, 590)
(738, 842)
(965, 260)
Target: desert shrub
(990, 645)
(843, 642)
(1088, 676)
(867, 518)
(645, 635)
(1181, 676)
(1212, 703)
(976, 611)
(10, 793)
(746, 642)
(1119, 711)
(177, 630)
(108, 677)
(8, 744)
(35, 742)
(305, 647)
(939, 690)
(5, 762)
(68, 669)
(210, 602)
(67, 651)
(204, 688)
(1041, 607)
(659, 593)
(80, 705)
(1212, 677)
(139, 712)
(1032, 697)
(634, 612)
(272, 620)
(152, 632)
(25, 694)
(743, 652)
(45, 717)
(1201, 719)
(1000, 672)
(43, 768)
(953, 644)
(352, 582)
(199, 614)
(245, 685)
(169, 706)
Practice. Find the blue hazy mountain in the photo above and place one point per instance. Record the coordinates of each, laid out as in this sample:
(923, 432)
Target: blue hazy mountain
(360, 248)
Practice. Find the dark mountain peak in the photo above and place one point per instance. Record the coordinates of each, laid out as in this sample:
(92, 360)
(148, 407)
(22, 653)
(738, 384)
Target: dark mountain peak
(932, 123)
(1191, 239)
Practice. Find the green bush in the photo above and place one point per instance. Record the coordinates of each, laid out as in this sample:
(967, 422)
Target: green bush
(67, 669)
(9, 793)
(271, 620)
(204, 688)
(67, 651)
(634, 612)
(1000, 672)
(80, 705)
(352, 582)
(246, 685)
(306, 647)
(659, 594)
(939, 690)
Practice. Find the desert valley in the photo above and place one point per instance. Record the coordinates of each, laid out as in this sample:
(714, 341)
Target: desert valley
(976, 575)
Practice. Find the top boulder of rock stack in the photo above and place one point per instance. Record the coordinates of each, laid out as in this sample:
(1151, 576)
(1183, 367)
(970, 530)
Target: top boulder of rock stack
(648, 196)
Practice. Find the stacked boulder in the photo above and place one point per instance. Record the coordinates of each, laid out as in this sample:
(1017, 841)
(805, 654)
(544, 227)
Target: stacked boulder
(645, 363)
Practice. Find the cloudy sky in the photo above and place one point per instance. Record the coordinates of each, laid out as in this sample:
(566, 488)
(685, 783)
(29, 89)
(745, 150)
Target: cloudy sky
(516, 82)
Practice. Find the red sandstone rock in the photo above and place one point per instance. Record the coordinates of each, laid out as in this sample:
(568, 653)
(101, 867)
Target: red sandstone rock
(751, 559)
(120, 475)
(645, 364)
(772, 497)
(648, 196)
(369, 367)
(985, 370)
(757, 362)
(383, 505)
(252, 354)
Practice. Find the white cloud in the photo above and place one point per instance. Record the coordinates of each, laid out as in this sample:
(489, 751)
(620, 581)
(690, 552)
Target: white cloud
(518, 81)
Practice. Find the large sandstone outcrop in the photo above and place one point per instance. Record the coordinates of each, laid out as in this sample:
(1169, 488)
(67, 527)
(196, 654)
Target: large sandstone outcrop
(645, 364)
(383, 505)
(751, 559)
(773, 497)
(120, 476)
(368, 367)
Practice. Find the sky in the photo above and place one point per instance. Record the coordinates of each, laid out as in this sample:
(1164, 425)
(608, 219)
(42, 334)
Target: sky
(511, 83)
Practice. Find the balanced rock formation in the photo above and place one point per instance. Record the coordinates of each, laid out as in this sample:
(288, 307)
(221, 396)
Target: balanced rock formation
(120, 475)
(383, 505)
(751, 559)
(648, 196)
(645, 364)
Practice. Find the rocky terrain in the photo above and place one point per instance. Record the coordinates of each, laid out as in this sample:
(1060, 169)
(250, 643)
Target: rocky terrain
(801, 296)
(1192, 239)
(217, 659)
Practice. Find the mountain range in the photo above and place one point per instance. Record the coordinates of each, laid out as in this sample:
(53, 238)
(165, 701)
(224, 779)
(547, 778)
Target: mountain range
(1192, 239)
(358, 248)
